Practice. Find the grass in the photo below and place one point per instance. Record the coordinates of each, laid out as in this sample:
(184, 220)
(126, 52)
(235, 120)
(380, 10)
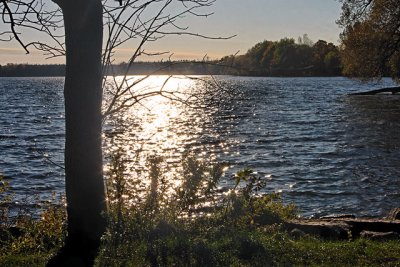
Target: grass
(192, 227)
(34, 241)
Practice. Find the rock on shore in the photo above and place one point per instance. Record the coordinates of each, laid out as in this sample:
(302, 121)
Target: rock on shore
(347, 226)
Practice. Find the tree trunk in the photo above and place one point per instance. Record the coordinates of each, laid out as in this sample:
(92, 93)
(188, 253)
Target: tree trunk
(83, 147)
(392, 90)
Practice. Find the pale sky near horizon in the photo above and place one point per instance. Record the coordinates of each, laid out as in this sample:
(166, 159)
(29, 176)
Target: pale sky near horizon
(251, 20)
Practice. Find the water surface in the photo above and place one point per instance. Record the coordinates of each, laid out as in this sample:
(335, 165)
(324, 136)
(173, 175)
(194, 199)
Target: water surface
(325, 151)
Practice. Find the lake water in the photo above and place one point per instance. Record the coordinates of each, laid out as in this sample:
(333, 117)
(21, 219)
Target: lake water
(325, 151)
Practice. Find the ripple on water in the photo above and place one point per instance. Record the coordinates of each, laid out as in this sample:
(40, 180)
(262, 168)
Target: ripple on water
(325, 151)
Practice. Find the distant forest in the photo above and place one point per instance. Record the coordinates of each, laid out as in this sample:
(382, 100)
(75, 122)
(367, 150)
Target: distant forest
(268, 58)
(288, 58)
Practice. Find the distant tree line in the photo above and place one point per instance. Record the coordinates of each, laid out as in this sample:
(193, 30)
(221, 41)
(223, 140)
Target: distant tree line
(268, 58)
(28, 70)
(137, 68)
(288, 58)
(183, 67)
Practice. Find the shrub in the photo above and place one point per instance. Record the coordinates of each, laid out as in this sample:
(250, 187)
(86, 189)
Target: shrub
(195, 225)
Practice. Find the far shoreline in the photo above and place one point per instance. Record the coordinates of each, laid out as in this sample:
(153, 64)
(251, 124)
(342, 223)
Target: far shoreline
(157, 68)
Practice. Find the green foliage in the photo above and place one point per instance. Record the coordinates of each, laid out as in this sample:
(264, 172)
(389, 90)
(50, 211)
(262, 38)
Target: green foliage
(192, 227)
(199, 182)
(370, 39)
(196, 225)
(4, 199)
(241, 228)
(288, 58)
(26, 240)
(3, 185)
(43, 235)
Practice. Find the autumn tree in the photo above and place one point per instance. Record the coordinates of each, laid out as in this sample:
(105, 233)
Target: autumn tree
(371, 38)
(88, 33)
(287, 58)
(326, 58)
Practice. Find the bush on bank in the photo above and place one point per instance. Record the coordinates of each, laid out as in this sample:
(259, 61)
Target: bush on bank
(195, 224)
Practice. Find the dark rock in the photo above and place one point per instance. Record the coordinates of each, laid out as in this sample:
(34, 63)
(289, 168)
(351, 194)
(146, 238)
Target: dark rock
(6, 234)
(379, 236)
(296, 233)
(267, 218)
(249, 248)
(344, 226)
(374, 225)
(15, 231)
(323, 229)
(394, 214)
(338, 216)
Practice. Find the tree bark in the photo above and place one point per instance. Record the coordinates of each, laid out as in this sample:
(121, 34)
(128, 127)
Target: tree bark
(85, 191)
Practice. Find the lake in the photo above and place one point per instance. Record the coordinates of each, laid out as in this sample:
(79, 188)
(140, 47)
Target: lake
(323, 150)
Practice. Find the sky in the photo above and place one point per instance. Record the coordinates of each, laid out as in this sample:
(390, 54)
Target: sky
(252, 21)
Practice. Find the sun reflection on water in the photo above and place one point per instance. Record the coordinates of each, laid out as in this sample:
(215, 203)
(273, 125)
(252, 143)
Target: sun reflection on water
(167, 127)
